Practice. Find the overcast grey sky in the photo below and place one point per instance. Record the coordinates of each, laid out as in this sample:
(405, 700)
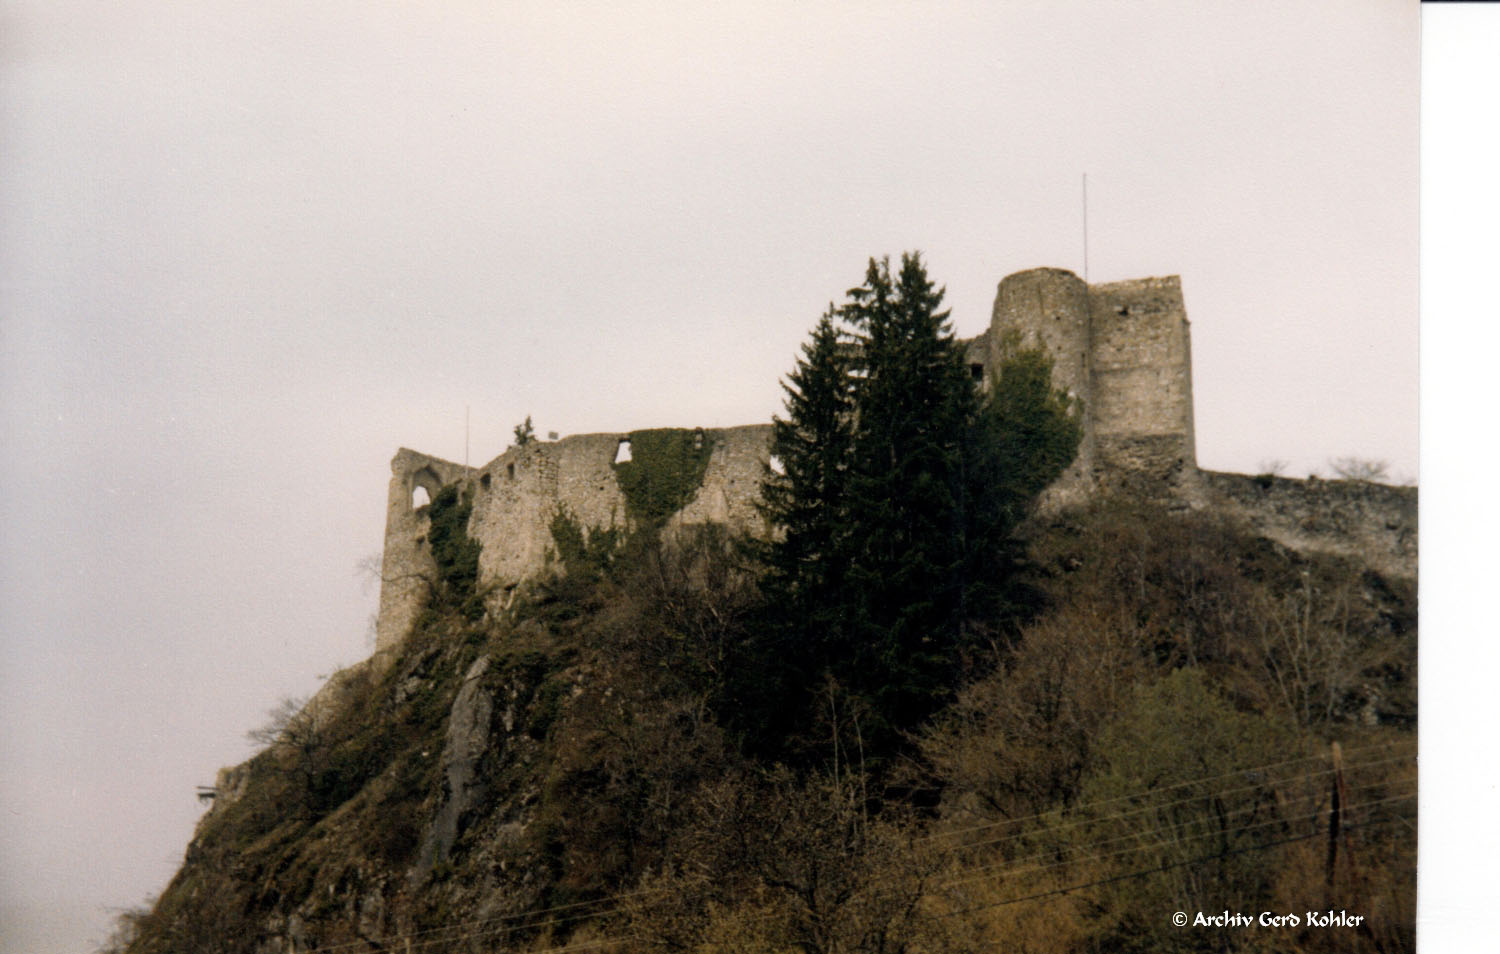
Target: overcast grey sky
(249, 250)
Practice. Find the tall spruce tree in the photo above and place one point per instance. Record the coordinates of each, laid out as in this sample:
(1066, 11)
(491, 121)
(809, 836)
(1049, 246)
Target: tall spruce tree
(805, 500)
(907, 510)
(899, 490)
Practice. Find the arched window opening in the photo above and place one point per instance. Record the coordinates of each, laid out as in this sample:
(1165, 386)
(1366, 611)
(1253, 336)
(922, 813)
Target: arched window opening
(425, 485)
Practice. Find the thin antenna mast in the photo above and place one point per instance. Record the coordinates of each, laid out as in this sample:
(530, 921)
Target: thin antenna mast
(1085, 228)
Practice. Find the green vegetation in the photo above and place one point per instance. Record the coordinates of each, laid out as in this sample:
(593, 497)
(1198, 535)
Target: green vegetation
(1028, 434)
(804, 569)
(913, 542)
(523, 432)
(899, 491)
(665, 470)
(583, 552)
(455, 552)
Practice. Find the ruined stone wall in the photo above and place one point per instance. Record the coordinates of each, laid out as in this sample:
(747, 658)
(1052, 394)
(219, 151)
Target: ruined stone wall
(1122, 350)
(521, 491)
(516, 496)
(1127, 354)
(1373, 523)
(407, 566)
(1142, 413)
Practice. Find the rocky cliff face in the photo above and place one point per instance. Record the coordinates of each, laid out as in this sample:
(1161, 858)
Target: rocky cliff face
(365, 823)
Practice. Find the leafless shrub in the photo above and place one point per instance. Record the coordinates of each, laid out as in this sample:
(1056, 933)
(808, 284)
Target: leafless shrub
(1360, 468)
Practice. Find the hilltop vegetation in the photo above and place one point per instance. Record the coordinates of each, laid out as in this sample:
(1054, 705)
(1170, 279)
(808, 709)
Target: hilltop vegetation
(919, 720)
(1158, 733)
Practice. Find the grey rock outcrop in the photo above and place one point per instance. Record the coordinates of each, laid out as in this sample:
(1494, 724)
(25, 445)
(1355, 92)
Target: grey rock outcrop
(467, 740)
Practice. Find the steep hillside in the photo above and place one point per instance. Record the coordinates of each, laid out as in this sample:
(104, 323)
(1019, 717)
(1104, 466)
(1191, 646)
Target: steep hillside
(1148, 731)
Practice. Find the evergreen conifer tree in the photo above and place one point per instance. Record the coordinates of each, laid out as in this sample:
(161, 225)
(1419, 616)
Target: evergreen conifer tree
(805, 500)
(899, 490)
(907, 507)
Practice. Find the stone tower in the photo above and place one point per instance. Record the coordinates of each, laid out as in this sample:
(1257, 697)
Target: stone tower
(1142, 416)
(1122, 351)
(1048, 308)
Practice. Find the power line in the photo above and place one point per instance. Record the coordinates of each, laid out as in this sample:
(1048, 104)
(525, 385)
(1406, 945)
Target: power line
(517, 916)
(1160, 844)
(1158, 806)
(1165, 788)
(1159, 868)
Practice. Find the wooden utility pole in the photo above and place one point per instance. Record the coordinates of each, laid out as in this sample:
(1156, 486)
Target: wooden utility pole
(1335, 820)
(1338, 824)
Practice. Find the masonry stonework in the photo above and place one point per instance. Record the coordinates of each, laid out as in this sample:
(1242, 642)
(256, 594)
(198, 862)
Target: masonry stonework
(516, 495)
(1373, 523)
(1121, 350)
(407, 566)
(1143, 390)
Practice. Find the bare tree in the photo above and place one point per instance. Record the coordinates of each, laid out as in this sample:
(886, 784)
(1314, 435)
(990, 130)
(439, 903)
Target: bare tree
(285, 719)
(774, 864)
(298, 741)
(1360, 468)
(368, 569)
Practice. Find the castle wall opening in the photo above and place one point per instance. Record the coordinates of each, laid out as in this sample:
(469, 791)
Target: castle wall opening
(425, 485)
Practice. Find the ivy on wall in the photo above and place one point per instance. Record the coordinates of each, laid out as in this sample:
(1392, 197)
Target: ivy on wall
(582, 551)
(665, 470)
(455, 552)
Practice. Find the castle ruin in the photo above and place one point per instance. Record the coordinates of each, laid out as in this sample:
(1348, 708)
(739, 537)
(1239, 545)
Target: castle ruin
(1122, 350)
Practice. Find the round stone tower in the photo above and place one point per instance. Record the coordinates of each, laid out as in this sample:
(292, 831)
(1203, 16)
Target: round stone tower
(1049, 308)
